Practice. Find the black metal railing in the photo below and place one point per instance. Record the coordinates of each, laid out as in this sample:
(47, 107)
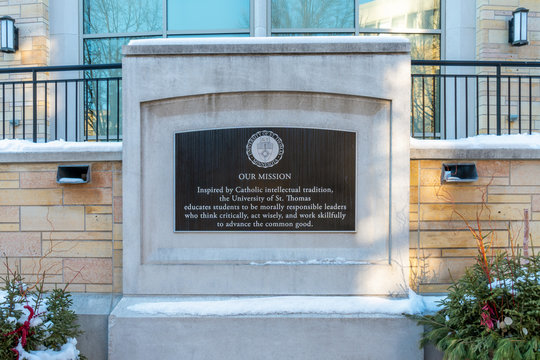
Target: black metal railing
(449, 99)
(456, 99)
(73, 103)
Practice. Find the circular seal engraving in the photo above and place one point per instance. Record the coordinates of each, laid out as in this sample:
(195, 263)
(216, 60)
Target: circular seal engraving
(264, 149)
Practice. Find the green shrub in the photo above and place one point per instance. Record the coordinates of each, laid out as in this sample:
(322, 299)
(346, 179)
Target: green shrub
(492, 312)
(33, 321)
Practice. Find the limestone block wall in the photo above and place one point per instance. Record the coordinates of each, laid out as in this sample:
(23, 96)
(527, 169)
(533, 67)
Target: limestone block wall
(441, 246)
(73, 233)
(32, 20)
(492, 30)
(66, 229)
(492, 44)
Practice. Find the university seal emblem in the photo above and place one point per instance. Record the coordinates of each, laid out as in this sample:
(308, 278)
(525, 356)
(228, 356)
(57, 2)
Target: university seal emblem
(264, 149)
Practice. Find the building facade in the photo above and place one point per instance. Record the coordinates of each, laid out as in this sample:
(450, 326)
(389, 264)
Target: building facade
(74, 233)
(66, 32)
(63, 32)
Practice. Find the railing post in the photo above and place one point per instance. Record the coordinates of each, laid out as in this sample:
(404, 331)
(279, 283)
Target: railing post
(34, 106)
(498, 99)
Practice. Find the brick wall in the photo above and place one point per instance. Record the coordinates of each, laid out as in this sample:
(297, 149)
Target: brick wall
(72, 232)
(440, 244)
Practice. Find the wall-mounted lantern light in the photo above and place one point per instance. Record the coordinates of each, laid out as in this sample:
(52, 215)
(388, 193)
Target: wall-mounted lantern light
(9, 35)
(518, 27)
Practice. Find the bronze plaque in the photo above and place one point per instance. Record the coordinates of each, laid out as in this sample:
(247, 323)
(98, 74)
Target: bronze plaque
(265, 179)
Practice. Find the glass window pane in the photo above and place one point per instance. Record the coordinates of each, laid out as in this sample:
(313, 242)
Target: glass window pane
(423, 46)
(425, 107)
(312, 14)
(313, 34)
(103, 114)
(201, 15)
(410, 14)
(106, 50)
(122, 16)
(208, 35)
(426, 103)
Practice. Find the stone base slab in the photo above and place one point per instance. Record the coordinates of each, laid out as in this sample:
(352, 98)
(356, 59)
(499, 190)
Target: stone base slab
(93, 312)
(306, 336)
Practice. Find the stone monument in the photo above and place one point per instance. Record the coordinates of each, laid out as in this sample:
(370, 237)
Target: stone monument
(263, 167)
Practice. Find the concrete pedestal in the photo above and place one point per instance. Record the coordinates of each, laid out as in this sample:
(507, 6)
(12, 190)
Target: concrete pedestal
(134, 336)
(350, 84)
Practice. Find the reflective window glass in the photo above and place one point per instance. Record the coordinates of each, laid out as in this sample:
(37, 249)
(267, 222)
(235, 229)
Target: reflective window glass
(122, 16)
(423, 46)
(208, 35)
(312, 14)
(105, 50)
(98, 107)
(388, 14)
(426, 100)
(314, 34)
(204, 15)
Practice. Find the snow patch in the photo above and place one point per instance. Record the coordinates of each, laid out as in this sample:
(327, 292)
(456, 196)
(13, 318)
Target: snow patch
(516, 141)
(283, 305)
(269, 40)
(68, 351)
(327, 261)
(66, 180)
(509, 283)
(25, 146)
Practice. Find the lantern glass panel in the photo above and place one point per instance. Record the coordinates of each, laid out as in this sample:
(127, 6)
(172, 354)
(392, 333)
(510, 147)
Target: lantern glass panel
(9, 34)
(523, 27)
(3, 32)
(517, 27)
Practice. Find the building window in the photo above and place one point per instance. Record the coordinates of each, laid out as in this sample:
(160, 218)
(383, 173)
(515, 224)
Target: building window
(109, 24)
(208, 16)
(122, 16)
(403, 14)
(292, 16)
(419, 20)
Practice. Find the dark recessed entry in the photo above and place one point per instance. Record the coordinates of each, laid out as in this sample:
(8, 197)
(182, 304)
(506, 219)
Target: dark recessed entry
(458, 173)
(73, 174)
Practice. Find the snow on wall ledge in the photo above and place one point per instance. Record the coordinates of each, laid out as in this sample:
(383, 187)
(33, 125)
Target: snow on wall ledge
(17, 146)
(519, 146)
(14, 151)
(284, 305)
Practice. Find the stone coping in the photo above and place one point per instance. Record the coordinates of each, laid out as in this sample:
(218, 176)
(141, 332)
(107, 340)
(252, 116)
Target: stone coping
(416, 154)
(486, 153)
(59, 156)
(124, 308)
(268, 45)
(94, 303)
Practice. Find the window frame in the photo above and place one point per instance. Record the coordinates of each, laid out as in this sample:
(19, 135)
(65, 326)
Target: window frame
(357, 30)
(265, 6)
(164, 33)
